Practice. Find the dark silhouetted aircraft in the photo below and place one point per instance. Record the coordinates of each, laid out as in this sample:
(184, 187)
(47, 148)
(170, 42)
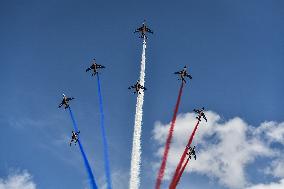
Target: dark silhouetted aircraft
(94, 67)
(182, 74)
(200, 114)
(191, 152)
(65, 101)
(143, 29)
(74, 137)
(137, 87)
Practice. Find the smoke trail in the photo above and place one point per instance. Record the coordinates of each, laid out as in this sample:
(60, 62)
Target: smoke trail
(175, 177)
(86, 163)
(168, 142)
(134, 182)
(180, 174)
(106, 156)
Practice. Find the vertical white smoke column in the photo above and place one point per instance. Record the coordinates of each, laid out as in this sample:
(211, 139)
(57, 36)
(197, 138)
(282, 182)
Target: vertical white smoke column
(134, 182)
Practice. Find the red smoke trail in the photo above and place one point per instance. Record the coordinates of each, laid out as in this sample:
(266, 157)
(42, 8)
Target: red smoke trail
(175, 177)
(168, 142)
(181, 172)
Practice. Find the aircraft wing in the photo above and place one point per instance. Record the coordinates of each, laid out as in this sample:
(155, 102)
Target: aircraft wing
(88, 69)
(189, 76)
(68, 99)
(138, 30)
(205, 118)
(100, 66)
(177, 72)
(59, 106)
(148, 30)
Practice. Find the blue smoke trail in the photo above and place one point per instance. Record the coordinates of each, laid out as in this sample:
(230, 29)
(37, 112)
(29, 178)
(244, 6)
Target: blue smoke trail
(107, 167)
(87, 165)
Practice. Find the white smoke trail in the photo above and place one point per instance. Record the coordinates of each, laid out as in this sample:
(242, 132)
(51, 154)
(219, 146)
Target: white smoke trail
(134, 182)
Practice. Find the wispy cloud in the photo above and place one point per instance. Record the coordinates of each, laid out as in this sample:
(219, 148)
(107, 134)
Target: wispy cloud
(119, 180)
(276, 168)
(272, 185)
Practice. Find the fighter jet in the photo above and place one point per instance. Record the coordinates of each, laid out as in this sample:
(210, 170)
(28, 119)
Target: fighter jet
(200, 114)
(143, 29)
(137, 87)
(191, 152)
(74, 137)
(94, 67)
(65, 101)
(182, 74)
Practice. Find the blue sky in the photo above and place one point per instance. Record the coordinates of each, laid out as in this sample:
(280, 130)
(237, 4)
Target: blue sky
(234, 50)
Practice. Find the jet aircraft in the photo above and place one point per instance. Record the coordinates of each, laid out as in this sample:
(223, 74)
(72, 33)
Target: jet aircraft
(65, 101)
(74, 137)
(137, 87)
(182, 74)
(191, 152)
(200, 114)
(143, 29)
(94, 67)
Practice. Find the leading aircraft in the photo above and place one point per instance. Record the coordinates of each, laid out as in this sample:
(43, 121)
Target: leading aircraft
(191, 152)
(143, 29)
(182, 74)
(137, 87)
(65, 101)
(200, 114)
(74, 137)
(94, 67)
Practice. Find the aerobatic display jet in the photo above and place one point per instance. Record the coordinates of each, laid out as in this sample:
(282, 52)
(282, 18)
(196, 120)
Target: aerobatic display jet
(182, 74)
(143, 29)
(94, 67)
(74, 137)
(137, 87)
(200, 114)
(65, 101)
(191, 152)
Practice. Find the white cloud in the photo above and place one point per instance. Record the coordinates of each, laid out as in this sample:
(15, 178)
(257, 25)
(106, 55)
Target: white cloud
(276, 168)
(272, 131)
(21, 180)
(224, 148)
(273, 185)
